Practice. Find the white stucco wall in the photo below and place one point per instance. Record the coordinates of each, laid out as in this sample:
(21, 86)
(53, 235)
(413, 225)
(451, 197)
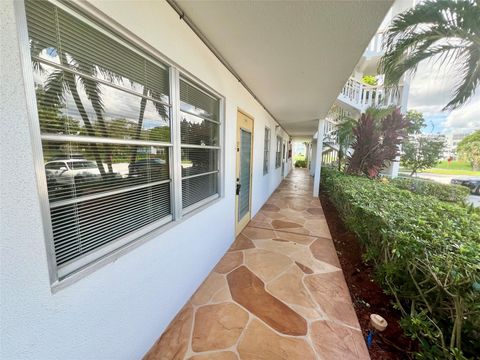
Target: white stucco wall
(118, 311)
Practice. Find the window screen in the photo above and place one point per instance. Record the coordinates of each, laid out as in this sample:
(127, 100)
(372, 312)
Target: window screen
(278, 153)
(200, 144)
(104, 112)
(266, 152)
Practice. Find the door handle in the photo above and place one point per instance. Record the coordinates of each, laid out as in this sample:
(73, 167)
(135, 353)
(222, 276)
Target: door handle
(237, 189)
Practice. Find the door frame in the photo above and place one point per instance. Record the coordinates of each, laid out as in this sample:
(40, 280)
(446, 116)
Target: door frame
(241, 223)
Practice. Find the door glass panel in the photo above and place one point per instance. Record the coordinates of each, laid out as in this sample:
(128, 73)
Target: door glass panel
(244, 196)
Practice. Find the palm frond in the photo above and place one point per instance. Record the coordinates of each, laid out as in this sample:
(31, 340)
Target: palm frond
(445, 32)
(470, 79)
(56, 87)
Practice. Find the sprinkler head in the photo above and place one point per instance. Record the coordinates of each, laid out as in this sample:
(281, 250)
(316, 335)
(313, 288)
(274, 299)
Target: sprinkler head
(377, 322)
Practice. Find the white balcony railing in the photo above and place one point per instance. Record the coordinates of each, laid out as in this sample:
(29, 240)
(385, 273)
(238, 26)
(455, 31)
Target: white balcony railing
(330, 135)
(362, 96)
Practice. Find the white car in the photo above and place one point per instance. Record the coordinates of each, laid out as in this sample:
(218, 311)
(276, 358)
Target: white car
(68, 170)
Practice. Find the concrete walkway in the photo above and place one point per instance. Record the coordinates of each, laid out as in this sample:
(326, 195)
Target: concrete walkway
(278, 293)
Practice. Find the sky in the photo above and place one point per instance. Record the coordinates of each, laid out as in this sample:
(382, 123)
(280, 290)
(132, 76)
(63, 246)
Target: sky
(430, 90)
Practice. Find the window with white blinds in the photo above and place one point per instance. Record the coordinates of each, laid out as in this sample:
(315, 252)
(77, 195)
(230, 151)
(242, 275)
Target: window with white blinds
(278, 153)
(105, 118)
(200, 144)
(266, 152)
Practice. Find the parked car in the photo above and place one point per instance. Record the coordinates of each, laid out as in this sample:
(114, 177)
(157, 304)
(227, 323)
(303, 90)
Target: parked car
(67, 171)
(472, 183)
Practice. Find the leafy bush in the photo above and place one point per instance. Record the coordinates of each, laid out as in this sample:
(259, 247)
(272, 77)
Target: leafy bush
(370, 80)
(426, 254)
(301, 163)
(376, 143)
(444, 192)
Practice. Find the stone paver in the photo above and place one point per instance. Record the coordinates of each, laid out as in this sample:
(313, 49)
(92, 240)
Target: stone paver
(278, 293)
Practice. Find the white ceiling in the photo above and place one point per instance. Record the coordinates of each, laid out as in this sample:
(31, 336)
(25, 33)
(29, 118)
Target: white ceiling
(294, 55)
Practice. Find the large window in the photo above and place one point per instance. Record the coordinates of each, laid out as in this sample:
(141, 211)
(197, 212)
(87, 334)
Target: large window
(105, 114)
(266, 152)
(278, 153)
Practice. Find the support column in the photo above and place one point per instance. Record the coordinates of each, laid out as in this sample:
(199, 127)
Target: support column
(318, 157)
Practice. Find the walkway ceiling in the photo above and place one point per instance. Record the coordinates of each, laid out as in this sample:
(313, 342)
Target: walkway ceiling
(294, 55)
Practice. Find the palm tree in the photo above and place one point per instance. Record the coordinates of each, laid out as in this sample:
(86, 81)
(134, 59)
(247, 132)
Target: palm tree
(344, 134)
(446, 32)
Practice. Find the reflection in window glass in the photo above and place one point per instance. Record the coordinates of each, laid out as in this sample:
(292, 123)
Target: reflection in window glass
(197, 161)
(104, 112)
(90, 51)
(103, 188)
(72, 110)
(197, 131)
(77, 169)
(198, 102)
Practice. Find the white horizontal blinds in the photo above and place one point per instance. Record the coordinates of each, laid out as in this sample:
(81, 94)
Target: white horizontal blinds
(200, 143)
(266, 152)
(278, 153)
(104, 112)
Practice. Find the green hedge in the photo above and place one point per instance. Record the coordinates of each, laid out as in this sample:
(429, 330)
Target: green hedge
(426, 254)
(301, 163)
(444, 192)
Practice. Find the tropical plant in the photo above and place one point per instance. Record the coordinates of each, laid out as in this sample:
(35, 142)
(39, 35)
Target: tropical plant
(344, 135)
(469, 149)
(376, 144)
(379, 113)
(421, 153)
(446, 32)
(370, 80)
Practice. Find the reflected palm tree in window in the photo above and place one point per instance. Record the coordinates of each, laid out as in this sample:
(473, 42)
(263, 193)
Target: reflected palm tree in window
(77, 54)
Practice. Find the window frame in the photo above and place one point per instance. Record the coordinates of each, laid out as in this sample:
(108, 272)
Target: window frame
(278, 152)
(116, 248)
(267, 145)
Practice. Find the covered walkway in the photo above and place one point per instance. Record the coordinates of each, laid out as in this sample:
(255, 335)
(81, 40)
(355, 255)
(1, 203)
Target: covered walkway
(278, 293)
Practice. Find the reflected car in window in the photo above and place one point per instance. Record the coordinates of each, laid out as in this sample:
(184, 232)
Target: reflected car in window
(70, 170)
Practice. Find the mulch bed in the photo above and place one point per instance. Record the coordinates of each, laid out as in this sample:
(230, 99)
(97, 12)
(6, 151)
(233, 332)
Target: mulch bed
(367, 295)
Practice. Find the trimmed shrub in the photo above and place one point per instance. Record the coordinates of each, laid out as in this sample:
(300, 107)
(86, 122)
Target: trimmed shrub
(426, 254)
(301, 163)
(444, 192)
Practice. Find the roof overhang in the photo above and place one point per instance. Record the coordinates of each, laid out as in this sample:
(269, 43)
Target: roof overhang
(295, 56)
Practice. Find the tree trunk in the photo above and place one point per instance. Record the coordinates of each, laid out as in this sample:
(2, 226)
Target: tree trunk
(107, 147)
(83, 113)
(70, 79)
(138, 131)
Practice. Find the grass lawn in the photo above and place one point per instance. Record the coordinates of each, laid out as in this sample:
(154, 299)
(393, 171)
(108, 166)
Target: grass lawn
(454, 168)
(454, 165)
(452, 172)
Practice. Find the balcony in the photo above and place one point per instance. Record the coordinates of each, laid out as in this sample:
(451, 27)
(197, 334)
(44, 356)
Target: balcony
(359, 96)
